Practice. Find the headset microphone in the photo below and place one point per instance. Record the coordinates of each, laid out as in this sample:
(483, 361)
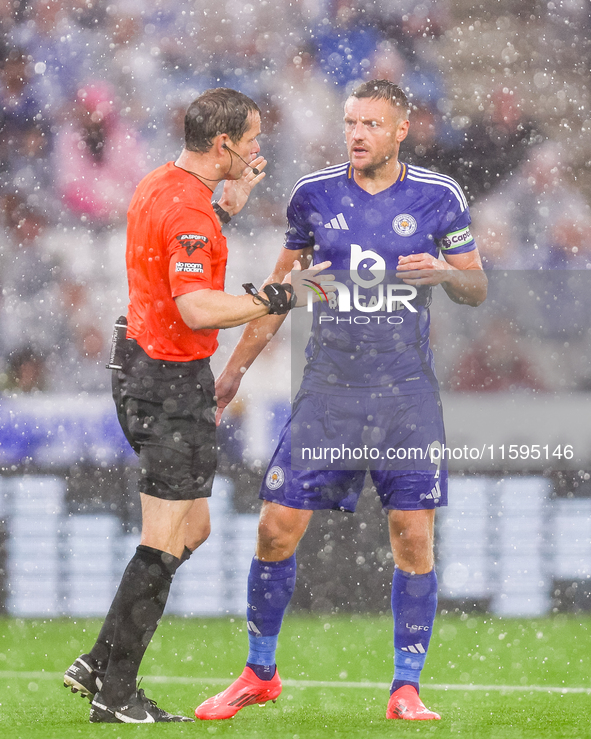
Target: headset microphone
(255, 171)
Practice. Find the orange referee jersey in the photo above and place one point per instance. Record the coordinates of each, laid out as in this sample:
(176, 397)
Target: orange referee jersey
(174, 246)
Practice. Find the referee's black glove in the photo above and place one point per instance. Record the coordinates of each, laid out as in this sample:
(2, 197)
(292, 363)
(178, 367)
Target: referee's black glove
(281, 298)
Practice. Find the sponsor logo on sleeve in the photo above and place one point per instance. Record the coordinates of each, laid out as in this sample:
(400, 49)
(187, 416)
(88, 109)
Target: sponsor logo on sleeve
(191, 242)
(195, 267)
(456, 238)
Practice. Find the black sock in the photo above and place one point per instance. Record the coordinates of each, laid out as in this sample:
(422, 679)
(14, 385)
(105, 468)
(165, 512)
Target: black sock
(138, 607)
(102, 647)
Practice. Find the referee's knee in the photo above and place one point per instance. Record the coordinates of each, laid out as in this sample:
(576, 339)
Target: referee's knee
(199, 536)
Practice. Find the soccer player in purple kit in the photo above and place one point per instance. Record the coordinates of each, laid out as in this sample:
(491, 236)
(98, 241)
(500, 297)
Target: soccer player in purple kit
(370, 217)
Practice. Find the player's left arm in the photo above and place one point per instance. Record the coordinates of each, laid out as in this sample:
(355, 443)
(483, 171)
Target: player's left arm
(461, 275)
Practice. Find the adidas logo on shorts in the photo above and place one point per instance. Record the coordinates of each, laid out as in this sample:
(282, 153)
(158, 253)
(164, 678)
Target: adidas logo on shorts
(435, 493)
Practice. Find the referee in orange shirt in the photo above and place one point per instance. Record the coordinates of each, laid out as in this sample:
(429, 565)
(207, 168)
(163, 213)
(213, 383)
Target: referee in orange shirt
(163, 387)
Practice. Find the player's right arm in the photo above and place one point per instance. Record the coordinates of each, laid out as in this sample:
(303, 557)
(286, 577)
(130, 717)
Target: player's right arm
(257, 333)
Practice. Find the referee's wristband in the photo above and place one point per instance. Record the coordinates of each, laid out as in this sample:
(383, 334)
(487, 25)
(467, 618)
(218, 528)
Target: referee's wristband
(280, 298)
(251, 290)
(222, 214)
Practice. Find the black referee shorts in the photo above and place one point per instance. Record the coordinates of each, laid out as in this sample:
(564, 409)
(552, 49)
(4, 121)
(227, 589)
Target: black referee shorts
(167, 413)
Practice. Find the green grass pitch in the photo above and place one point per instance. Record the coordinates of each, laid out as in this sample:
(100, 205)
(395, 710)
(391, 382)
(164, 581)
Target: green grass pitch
(489, 678)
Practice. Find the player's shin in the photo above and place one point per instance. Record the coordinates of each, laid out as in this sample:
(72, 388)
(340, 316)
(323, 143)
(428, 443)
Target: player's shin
(270, 587)
(414, 602)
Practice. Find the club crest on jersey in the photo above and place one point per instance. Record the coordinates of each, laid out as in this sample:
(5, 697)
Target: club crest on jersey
(404, 225)
(275, 478)
(191, 242)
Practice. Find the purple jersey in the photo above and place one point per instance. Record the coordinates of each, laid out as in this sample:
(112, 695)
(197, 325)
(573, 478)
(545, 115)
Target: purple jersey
(375, 337)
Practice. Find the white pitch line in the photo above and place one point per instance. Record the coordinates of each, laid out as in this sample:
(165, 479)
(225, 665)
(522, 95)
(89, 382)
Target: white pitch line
(7, 675)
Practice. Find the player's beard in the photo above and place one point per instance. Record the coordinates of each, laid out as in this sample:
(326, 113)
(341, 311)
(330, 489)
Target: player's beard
(374, 170)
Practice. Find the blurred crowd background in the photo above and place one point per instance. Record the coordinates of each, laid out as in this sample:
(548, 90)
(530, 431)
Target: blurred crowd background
(93, 96)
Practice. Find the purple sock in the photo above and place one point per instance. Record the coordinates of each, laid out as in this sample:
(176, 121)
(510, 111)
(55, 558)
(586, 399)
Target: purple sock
(414, 602)
(270, 587)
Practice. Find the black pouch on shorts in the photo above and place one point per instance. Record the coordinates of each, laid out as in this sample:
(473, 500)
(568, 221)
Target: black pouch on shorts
(118, 344)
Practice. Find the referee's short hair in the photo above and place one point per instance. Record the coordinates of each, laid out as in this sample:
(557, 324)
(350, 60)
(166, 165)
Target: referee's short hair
(216, 111)
(383, 90)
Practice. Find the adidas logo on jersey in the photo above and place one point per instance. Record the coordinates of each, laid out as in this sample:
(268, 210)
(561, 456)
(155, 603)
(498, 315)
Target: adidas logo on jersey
(414, 648)
(338, 222)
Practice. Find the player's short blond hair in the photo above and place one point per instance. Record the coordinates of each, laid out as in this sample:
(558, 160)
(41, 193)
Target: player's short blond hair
(384, 90)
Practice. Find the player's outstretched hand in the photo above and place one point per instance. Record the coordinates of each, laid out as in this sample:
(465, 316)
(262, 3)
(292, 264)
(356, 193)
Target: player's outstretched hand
(307, 282)
(422, 269)
(236, 192)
